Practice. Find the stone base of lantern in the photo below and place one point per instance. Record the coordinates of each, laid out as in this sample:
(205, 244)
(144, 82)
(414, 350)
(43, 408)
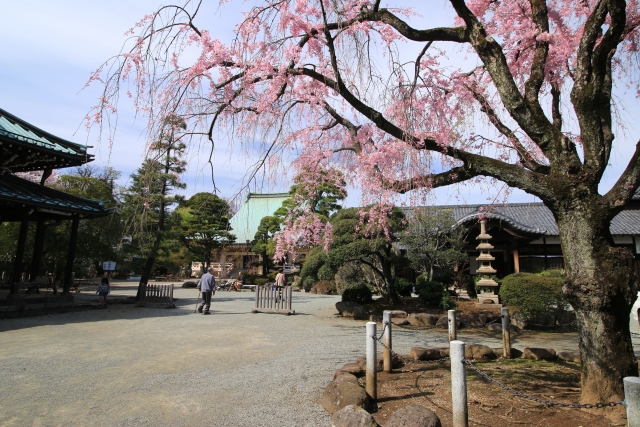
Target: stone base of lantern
(489, 299)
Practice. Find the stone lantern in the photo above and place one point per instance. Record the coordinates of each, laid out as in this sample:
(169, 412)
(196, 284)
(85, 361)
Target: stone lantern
(487, 285)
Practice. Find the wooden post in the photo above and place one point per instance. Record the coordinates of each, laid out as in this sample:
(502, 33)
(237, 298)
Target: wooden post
(506, 333)
(459, 406)
(38, 245)
(17, 265)
(516, 261)
(386, 339)
(371, 379)
(453, 334)
(632, 400)
(71, 254)
(257, 296)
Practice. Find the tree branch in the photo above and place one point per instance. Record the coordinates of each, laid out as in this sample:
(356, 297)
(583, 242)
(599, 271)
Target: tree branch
(626, 185)
(540, 16)
(536, 125)
(523, 154)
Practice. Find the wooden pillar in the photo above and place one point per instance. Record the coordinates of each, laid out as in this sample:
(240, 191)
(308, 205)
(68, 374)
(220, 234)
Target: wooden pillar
(71, 254)
(17, 265)
(516, 261)
(38, 246)
(546, 258)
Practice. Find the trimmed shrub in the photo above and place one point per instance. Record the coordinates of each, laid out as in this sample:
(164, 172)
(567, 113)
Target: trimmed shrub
(532, 295)
(447, 302)
(358, 293)
(429, 292)
(403, 287)
(434, 293)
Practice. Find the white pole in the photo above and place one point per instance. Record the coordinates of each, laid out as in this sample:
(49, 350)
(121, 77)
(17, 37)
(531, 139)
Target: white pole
(506, 333)
(386, 339)
(458, 385)
(453, 335)
(372, 389)
(632, 400)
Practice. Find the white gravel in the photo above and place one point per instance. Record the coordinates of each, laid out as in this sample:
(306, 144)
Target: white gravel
(127, 366)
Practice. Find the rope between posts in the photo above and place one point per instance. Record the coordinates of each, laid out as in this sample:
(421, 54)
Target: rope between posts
(537, 399)
(404, 358)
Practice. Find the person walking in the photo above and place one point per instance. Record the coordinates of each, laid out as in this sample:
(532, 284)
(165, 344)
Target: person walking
(207, 287)
(104, 289)
(280, 283)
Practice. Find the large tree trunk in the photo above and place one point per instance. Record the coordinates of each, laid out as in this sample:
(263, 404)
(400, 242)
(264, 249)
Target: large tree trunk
(601, 287)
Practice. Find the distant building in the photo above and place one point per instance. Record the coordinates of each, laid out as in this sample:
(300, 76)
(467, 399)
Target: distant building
(244, 225)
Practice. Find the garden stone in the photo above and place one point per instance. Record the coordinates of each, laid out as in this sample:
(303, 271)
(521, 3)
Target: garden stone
(400, 322)
(443, 322)
(569, 356)
(398, 313)
(479, 352)
(375, 318)
(352, 309)
(413, 416)
(337, 395)
(444, 351)
(474, 320)
(515, 353)
(395, 362)
(353, 369)
(353, 416)
(422, 319)
(341, 377)
(539, 353)
(419, 353)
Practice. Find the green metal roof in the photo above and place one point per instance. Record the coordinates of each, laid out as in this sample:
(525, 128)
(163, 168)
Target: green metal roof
(15, 129)
(245, 222)
(17, 194)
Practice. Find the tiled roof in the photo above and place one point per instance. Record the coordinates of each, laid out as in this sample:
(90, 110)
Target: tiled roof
(14, 128)
(245, 222)
(536, 218)
(16, 191)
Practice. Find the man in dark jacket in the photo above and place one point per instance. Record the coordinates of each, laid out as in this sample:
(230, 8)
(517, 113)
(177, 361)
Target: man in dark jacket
(207, 286)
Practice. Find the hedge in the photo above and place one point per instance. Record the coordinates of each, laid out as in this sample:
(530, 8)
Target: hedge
(359, 293)
(534, 295)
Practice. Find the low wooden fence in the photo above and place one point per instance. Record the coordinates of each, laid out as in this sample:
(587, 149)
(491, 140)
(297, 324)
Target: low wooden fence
(156, 296)
(270, 299)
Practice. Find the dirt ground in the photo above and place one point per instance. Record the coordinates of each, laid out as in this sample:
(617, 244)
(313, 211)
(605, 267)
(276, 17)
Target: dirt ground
(429, 385)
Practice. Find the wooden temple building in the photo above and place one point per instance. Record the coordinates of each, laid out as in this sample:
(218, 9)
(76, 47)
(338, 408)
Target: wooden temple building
(26, 148)
(525, 236)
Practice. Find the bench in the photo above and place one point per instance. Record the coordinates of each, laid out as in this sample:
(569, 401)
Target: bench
(252, 287)
(161, 278)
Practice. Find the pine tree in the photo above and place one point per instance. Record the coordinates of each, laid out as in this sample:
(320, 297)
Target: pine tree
(151, 194)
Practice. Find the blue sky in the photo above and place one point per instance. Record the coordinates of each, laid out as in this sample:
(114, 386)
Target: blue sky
(51, 47)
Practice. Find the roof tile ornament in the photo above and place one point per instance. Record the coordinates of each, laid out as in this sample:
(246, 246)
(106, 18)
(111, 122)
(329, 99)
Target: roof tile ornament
(487, 285)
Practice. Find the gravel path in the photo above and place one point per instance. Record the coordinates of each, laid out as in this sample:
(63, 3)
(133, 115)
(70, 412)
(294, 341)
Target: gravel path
(127, 366)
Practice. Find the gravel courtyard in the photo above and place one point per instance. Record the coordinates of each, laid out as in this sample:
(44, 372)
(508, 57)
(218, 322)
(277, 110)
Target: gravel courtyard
(127, 366)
